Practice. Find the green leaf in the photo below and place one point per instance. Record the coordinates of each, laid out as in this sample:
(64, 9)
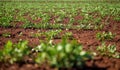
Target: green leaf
(68, 48)
(1, 55)
(8, 48)
(112, 48)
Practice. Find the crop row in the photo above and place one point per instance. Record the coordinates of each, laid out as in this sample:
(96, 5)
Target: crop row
(85, 16)
(59, 55)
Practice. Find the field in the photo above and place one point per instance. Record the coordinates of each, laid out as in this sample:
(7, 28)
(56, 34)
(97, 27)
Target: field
(60, 35)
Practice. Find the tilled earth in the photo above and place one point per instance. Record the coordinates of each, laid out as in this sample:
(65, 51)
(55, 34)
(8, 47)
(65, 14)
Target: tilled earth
(87, 37)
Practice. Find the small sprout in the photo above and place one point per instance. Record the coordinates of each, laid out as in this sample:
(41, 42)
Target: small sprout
(68, 35)
(105, 36)
(36, 35)
(14, 52)
(6, 35)
(109, 50)
(52, 33)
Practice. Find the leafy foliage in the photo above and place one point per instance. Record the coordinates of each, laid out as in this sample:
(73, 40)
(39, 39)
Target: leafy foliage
(26, 13)
(14, 52)
(105, 36)
(62, 55)
(109, 50)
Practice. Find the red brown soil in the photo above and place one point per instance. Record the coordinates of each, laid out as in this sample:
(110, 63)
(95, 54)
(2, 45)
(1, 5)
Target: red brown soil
(86, 37)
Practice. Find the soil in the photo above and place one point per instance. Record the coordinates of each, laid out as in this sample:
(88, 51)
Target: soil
(86, 37)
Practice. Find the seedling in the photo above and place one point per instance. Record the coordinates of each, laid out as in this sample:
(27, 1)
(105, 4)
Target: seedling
(6, 34)
(68, 35)
(62, 55)
(5, 21)
(97, 21)
(28, 25)
(52, 33)
(105, 36)
(109, 50)
(14, 52)
(100, 26)
(36, 34)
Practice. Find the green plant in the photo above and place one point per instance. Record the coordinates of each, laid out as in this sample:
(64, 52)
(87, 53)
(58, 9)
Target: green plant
(36, 34)
(109, 50)
(117, 18)
(105, 36)
(6, 34)
(97, 21)
(45, 18)
(5, 21)
(100, 26)
(62, 55)
(68, 35)
(56, 26)
(28, 25)
(14, 52)
(52, 33)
